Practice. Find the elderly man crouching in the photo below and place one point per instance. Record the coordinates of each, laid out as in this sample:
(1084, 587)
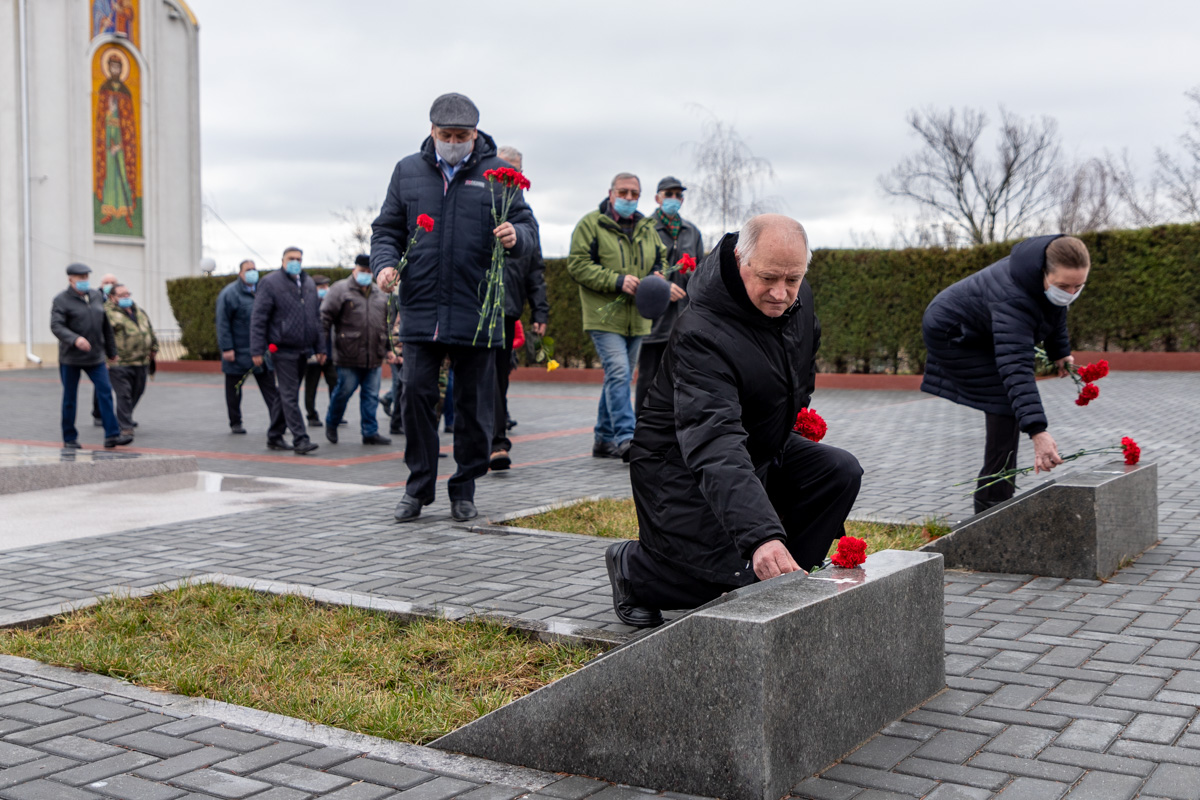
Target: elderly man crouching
(726, 493)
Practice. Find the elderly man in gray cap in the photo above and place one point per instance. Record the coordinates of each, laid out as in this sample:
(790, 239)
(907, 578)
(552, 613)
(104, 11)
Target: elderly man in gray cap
(85, 338)
(439, 300)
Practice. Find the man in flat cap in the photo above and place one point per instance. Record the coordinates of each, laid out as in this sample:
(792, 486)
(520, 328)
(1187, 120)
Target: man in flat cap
(85, 340)
(439, 295)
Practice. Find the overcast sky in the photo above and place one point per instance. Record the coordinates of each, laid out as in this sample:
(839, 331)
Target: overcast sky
(306, 105)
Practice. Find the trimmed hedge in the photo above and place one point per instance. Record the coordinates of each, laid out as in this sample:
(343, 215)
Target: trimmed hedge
(1143, 294)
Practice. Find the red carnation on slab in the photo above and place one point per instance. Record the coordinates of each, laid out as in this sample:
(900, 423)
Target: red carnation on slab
(425, 222)
(851, 551)
(1133, 453)
(1087, 394)
(686, 263)
(1093, 372)
(810, 425)
(272, 348)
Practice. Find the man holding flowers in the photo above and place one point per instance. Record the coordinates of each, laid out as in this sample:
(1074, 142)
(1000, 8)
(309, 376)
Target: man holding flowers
(440, 299)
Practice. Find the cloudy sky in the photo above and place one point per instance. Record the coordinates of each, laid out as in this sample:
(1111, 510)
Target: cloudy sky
(307, 104)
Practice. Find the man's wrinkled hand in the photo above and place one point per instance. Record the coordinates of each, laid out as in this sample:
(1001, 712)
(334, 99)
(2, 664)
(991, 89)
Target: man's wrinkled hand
(630, 284)
(321, 358)
(83, 344)
(539, 328)
(677, 292)
(772, 559)
(229, 355)
(386, 279)
(507, 235)
(258, 360)
(1061, 365)
(1045, 453)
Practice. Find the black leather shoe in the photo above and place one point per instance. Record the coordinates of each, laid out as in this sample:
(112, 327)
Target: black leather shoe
(386, 402)
(622, 450)
(622, 589)
(376, 438)
(500, 460)
(117, 441)
(315, 422)
(463, 510)
(604, 450)
(304, 446)
(331, 433)
(71, 445)
(408, 509)
(278, 444)
(237, 428)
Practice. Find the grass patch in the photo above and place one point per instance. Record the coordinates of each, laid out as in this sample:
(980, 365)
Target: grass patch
(355, 669)
(617, 519)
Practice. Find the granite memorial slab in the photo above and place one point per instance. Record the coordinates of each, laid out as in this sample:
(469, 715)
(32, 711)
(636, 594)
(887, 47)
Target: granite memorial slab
(25, 468)
(1083, 525)
(744, 697)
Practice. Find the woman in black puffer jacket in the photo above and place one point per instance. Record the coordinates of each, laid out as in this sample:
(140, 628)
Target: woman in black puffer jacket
(981, 333)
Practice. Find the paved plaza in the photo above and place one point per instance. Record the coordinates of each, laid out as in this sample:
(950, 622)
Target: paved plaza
(1056, 688)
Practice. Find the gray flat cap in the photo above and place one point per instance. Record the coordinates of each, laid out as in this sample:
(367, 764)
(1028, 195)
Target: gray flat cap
(454, 111)
(78, 269)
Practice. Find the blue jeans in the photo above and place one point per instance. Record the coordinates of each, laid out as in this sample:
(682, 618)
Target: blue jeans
(615, 420)
(349, 379)
(98, 375)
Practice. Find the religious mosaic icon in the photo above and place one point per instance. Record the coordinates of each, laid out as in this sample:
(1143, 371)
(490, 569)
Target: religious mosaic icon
(115, 18)
(116, 144)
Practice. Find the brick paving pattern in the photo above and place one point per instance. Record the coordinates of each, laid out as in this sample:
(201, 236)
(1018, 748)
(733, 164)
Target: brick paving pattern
(1056, 688)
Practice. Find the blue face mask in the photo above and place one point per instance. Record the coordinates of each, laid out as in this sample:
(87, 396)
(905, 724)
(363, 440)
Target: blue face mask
(251, 277)
(106, 288)
(293, 267)
(362, 278)
(82, 286)
(625, 208)
(322, 292)
(671, 206)
(125, 302)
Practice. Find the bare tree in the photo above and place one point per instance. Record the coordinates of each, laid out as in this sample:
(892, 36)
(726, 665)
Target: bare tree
(1180, 175)
(731, 177)
(986, 199)
(1138, 201)
(1088, 199)
(355, 236)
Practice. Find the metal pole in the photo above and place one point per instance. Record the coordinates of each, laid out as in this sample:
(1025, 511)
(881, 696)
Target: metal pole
(27, 246)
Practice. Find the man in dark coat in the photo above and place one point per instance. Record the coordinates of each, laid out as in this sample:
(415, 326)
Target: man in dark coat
(85, 338)
(235, 305)
(726, 493)
(980, 334)
(439, 295)
(286, 323)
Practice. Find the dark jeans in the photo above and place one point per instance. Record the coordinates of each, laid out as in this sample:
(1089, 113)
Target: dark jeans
(289, 372)
(812, 488)
(128, 385)
(350, 379)
(649, 360)
(500, 440)
(999, 454)
(98, 375)
(266, 385)
(312, 382)
(474, 395)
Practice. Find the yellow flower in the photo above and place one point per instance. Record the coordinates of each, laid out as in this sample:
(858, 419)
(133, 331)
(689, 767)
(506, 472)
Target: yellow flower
(551, 365)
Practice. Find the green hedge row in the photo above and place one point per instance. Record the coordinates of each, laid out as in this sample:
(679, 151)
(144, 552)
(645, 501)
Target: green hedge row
(1143, 294)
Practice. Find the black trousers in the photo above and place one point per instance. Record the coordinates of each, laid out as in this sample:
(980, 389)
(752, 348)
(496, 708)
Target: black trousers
(500, 440)
(266, 385)
(999, 454)
(312, 382)
(129, 383)
(474, 403)
(649, 359)
(812, 488)
(289, 372)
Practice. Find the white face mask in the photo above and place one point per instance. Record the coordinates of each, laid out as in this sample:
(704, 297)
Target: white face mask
(453, 152)
(1061, 297)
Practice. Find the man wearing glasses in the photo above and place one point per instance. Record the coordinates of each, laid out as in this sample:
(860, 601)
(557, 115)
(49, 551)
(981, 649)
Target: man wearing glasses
(612, 249)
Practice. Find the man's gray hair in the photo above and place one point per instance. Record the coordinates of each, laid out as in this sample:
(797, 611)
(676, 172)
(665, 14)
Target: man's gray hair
(510, 154)
(624, 176)
(789, 228)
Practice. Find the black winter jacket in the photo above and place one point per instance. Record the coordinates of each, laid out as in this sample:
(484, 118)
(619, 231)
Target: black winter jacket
(718, 413)
(691, 242)
(73, 315)
(440, 294)
(980, 334)
(286, 315)
(525, 281)
(235, 305)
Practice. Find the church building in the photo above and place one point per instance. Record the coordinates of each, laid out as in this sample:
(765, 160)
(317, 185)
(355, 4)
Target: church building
(99, 156)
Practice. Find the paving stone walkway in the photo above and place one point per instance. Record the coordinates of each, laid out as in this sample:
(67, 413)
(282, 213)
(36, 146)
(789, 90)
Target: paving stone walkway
(1055, 687)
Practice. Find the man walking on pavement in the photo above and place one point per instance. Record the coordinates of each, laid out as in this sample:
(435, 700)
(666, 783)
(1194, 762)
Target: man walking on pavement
(286, 322)
(137, 347)
(235, 305)
(354, 321)
(439, 304)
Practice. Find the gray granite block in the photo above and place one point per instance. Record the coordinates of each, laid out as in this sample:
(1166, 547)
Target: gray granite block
(1081, 526)
(25, 468)
(744, 697)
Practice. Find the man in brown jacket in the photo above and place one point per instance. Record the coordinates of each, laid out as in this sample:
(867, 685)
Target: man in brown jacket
(354, 316)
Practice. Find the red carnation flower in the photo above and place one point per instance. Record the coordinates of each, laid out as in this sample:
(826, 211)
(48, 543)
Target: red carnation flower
(851, 551)
(1087, 394)
(1093, 372)
(272, 348)
(810, 425)
(1133, 453)
(426, 222)
(686, 263)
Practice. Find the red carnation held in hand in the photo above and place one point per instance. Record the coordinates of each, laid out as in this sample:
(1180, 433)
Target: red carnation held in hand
(272, 348)
(1133, 453)
(851, 551)
(507, 176)
(1093, 372)
(1087, 394)
(425, 222)
(810, 425)
(686, 264)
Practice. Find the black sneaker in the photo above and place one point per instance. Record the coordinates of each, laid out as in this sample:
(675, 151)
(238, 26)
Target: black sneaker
(331, 434)
(303, 446)
(604, 450)
(71, 445)
(315, 422)
(278, 444)
(376, 438)
(117, 441)
(622, 590)
(622, 450)
(236, 428)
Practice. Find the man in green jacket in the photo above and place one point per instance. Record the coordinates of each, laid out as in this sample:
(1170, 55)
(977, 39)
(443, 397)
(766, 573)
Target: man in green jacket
(137, 347)
(612, 249)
